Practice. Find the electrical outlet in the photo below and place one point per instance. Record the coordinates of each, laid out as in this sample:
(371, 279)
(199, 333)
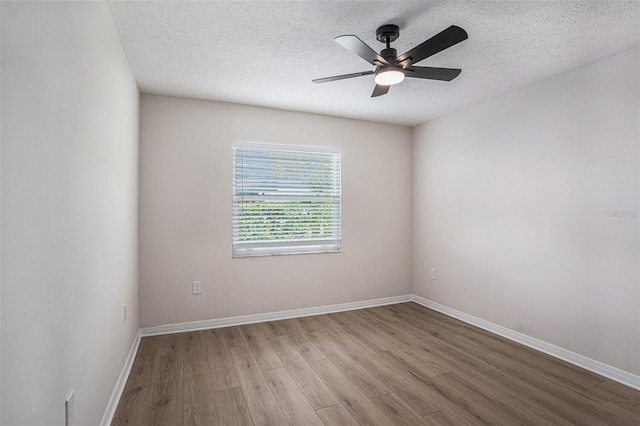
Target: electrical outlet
(434, 273)
(125, 312)
(196, 287)
(69, 408)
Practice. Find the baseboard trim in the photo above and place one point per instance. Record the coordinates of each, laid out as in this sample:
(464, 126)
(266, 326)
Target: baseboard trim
(605, 370)
(110, 411)
(271, 316)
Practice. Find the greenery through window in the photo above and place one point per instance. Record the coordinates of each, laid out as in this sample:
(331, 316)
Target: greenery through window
(285, 199)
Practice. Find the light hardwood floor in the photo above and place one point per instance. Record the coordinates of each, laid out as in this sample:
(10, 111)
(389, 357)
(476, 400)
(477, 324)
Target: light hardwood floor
(393, 365)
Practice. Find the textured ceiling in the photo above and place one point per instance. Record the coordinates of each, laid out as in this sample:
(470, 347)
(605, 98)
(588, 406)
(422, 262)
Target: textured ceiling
(266, 53)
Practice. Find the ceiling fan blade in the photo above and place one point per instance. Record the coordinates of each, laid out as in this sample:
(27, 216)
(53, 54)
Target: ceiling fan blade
(361, 49)
(439, 42)
(380, 90)
(342, 77)
(444, 74)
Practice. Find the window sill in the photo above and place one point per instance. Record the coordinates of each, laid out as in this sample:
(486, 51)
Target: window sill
(284, 254)
(286, 249)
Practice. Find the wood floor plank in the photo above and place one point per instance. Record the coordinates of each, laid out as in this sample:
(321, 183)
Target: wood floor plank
(413, 364)
(262, 350)
(294, 405)
(398, 411)
(232, 337)
(470, 404)
(506, 400)
(129, 410)
(286, 327)
(541, 363)
(565, 403)
(251, 331)
(429, 325)
(577, 393)
(167, 407)
(356, 402)
(626, 404)
(367, 335)
(399, 338)
(144, 365)
(461, 343)
(381, 314)
(415, 330)
(223, 372)
(396, 336)
(333, 328)
(262, 404)
(360, 377)
(171, 344)
(305, 346)
(199, 404)
(402, 383)
(628, 409)
(169, 372)
(419, 314)
(310, 384)
(267, 329)
(449, 418)
(308, 324)
(405, 332)
(232, 408)
(196, 361)
(434, 394)
(345, 317)
(404, 366)
(449, 359)
(563, 374)
(212, 339)
(272, 329)
(336, 415)
(340, 321)
(433, 316)
(534, 395)
(621, 390)
(394, 309)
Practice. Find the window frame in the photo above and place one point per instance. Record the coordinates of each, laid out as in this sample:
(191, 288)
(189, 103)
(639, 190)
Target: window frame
(295, 246)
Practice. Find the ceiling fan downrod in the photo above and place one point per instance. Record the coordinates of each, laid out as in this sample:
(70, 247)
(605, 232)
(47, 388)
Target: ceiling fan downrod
(387, 34)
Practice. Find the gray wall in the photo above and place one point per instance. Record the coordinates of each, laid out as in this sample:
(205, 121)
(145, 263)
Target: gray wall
(185, 213)
(512, 203)
(69, 210)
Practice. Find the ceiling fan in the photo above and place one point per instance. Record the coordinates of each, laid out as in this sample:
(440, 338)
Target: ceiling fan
(392, 69)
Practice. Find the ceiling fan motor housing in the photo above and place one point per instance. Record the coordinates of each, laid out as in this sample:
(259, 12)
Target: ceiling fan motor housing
(389, 55)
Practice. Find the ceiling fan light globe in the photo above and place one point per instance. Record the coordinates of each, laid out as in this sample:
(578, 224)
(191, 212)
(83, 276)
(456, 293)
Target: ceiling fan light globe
(389, 76)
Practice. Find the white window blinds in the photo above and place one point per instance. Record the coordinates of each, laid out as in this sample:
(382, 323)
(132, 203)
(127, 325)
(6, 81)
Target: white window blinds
(286, 200)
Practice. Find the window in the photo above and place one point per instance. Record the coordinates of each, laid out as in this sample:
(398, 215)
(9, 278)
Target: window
(286, 199)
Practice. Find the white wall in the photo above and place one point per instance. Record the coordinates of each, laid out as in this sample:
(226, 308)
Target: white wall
(185, 213)
(69, 210)
(509, 204)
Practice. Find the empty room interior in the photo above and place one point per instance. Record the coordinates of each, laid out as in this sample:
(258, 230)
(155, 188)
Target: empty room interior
(320, 213)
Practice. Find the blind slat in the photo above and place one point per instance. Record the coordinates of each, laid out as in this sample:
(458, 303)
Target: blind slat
(285, 201)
